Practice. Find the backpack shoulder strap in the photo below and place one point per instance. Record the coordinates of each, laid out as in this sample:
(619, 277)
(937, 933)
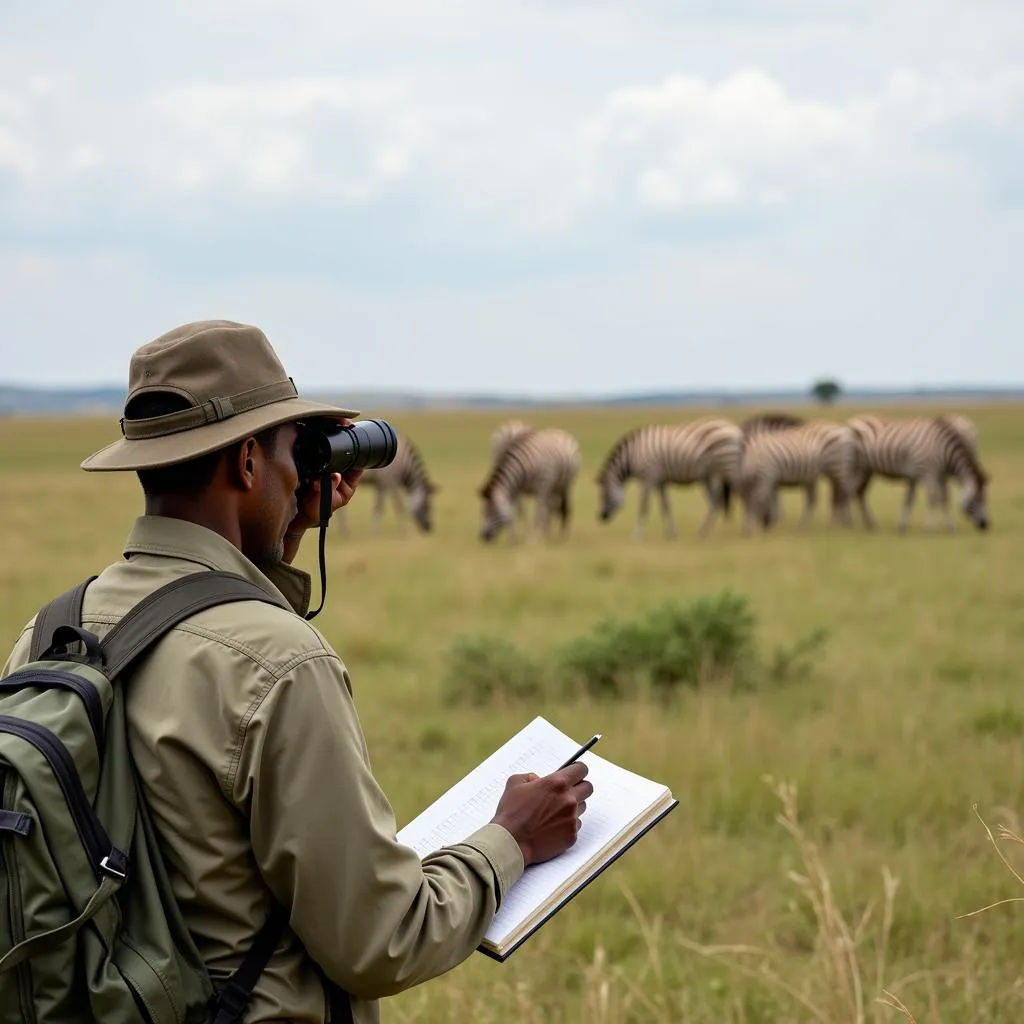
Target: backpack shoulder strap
(171, 604)
(65, 610)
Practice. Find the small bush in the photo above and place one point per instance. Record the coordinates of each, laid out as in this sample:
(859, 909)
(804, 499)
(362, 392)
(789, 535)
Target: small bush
(673, 645)
(484, 669)
(1004, 723)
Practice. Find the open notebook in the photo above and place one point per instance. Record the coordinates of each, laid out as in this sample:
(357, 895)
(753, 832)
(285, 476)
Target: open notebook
(623, 807)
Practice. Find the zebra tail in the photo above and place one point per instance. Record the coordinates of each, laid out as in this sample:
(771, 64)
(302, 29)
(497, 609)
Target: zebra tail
(726, 498)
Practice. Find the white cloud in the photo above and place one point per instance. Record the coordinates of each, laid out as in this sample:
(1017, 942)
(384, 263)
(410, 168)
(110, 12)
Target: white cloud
(746, 141)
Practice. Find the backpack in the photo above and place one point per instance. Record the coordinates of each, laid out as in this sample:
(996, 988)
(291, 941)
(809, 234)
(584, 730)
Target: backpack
(89, 927)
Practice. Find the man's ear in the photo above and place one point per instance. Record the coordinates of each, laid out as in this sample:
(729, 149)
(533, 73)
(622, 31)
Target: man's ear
(244, 464)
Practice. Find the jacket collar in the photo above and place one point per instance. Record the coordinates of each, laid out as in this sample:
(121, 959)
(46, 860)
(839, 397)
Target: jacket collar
(177, 538)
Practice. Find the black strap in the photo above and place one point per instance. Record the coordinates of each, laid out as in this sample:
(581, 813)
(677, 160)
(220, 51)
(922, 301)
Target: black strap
(65, 610)
(340, 1004)
(326, 494)
(234, 996)
(174, 602)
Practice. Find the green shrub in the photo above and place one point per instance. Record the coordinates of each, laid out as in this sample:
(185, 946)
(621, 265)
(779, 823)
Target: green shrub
(486, 669)
(710, 639)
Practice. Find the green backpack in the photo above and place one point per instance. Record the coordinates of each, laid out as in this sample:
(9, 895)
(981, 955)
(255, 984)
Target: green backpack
(89, 928)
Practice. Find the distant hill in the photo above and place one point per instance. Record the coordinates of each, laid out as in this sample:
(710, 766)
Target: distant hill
(27, 401)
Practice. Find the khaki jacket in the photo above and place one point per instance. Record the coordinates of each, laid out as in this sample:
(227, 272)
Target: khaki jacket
(246, 737)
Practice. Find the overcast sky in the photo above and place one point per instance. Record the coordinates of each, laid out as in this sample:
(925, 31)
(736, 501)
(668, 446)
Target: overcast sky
(541, 196)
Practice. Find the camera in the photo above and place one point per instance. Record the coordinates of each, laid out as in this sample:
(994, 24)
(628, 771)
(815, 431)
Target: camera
(324, 446)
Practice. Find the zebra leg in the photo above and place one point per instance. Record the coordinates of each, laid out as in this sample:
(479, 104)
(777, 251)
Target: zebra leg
(934, 489)
(946, 511)
(341, 517)
(400, 501)
(842, 502)
(908, 504)
(666, 512)
(645, 496)
(564, 509)
(870, 523)
(378, 509)
(542, 517)
(812, 500)
(713, 490)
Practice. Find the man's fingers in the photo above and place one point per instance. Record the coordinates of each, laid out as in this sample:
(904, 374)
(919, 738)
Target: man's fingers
(518, 780)
(573, 773)
(583, 790)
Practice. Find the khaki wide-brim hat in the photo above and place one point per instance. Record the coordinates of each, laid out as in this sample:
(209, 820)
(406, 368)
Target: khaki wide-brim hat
(235, 386)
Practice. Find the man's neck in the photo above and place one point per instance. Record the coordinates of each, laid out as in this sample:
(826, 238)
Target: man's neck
(202, 513)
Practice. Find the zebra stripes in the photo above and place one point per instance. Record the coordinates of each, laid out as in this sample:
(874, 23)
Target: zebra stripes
(928, 451)
(706, 451)
(406, 482)
(541, 463)
(505, 434)
(797, 457)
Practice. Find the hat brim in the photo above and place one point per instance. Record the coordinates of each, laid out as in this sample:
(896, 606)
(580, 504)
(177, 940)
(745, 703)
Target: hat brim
(154, 452)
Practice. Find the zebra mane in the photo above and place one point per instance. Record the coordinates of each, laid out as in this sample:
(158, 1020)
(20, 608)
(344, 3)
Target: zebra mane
(772, 421)
(616, 454)
(416, 462)
(504, 460)
(955, 439)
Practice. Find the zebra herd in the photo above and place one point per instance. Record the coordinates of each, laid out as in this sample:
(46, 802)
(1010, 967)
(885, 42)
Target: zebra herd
(751, 462)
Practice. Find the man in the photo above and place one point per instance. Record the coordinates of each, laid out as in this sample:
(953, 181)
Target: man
(241, 720)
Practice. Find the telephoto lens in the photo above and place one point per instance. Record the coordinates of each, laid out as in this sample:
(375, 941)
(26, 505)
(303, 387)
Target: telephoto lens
(324, 446)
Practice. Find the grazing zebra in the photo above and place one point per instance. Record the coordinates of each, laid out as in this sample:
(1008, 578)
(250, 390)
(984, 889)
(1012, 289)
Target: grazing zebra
(798, 457)
(704, 451)
(773, 421)
(927, 451)
(406, 482)
(770, 421)
(542, 463)
(507, 433)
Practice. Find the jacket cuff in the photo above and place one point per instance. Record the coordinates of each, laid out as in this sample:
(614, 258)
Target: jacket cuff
(502, 852)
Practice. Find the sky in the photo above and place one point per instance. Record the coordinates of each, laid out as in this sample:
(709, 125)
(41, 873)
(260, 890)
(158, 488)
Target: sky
(535, 197)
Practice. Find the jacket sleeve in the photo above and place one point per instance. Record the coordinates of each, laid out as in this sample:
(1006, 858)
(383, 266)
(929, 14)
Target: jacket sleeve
(374, 916)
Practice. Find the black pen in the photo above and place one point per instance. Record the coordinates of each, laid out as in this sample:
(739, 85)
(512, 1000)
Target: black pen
(575, 757)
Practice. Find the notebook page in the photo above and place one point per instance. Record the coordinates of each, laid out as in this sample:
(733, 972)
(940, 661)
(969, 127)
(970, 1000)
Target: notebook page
(470, 804)
(619, 797)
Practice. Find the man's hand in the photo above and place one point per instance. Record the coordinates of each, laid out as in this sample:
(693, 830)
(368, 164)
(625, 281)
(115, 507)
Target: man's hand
(308, 514)
(543, 813)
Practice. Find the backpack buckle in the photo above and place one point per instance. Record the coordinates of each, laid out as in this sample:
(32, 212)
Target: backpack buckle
(115, 864)
(232, 1001)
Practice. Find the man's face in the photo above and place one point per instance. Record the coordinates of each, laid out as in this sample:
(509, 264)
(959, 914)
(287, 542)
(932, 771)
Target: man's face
(274, 500)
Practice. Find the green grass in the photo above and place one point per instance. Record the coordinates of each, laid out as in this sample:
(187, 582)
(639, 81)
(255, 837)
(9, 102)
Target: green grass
(911, 714)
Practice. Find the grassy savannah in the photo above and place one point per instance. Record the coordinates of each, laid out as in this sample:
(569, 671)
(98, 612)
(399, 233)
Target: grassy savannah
(826, 846)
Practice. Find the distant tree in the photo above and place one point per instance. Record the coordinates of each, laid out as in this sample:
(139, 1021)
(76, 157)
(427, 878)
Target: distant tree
(826, 391)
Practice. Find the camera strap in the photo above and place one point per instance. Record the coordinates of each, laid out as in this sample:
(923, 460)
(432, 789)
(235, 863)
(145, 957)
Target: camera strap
(326, 490)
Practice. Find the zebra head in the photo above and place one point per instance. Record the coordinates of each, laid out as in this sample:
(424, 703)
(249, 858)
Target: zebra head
(973, 503)
(499, 512)
(421, 505)
(613, 495)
